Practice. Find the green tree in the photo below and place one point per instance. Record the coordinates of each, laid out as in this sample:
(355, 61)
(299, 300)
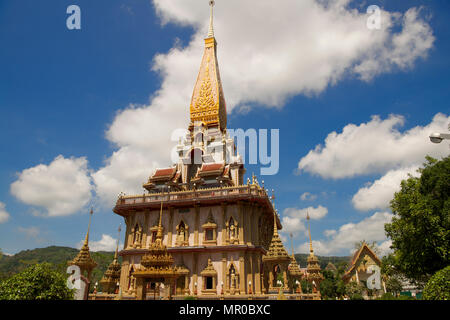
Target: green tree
(420, 227)
(37, 282)
(354, 290)
(438, 287)
(328, 285)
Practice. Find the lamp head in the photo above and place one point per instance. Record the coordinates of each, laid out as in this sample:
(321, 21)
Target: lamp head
(436, 138)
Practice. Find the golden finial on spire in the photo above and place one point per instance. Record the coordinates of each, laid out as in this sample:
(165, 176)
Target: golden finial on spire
(309, 229)
(275, 227)
(211, 28)
(292, 244)
(118, 237)
(86, 240)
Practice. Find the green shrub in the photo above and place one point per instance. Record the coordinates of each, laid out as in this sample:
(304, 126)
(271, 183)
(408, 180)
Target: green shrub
(357, 296)
(37, 282)
(438, 287)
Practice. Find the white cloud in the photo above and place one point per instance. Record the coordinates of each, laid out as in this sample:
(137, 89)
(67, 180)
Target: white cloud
(106, 243)
(293, 220)
(307, 196)
(362, 149)
(271, 52)
(4, 215)
(379, 193)
(342, 241)
(61, 188)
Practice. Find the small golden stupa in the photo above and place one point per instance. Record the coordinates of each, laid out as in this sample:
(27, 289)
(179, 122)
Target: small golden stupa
(294, 270)
(157, 263)
(313, 268)
(112, 275)
(84, 260)
(277, 259)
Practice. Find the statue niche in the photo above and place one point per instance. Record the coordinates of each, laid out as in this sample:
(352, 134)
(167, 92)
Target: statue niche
(182, 238)
(232, 231)
(137, 236)
(232, 280)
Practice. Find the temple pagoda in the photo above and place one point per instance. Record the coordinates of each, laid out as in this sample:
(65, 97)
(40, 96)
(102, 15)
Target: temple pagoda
(111, 278)
(295, 274)
(83, 259)
(276, 261)
(199, 212)
(313, 274)
(156, 266)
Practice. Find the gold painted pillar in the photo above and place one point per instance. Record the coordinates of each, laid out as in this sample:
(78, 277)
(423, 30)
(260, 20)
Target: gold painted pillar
(196, 226)
(257, 273)
(224, 271)
(270, 279)
(124, 271)
(145, 229)
(242, 277)
(249, 259)
(241, 222)
(170, 229)
(249, 225)
(140, 292)
(195, 274)
(224, 227)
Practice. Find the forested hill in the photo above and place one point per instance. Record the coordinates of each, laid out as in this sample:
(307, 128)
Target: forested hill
(58, 256)
(323, 260)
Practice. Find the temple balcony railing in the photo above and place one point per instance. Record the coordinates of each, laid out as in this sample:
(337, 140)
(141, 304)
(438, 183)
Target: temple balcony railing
(210, 193)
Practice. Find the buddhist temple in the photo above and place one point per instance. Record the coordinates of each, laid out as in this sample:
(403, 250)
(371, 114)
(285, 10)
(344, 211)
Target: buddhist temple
(365, 269)
(199, 230)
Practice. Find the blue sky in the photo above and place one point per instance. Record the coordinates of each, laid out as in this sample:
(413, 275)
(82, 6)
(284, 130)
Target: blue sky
(85, 95)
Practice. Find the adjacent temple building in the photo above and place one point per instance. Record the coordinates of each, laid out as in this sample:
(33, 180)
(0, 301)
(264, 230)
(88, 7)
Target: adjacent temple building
(200, 230)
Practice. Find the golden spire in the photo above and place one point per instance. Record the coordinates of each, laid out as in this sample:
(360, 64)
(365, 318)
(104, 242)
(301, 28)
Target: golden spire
(313, 267)
(275, 227)
(117, 246)
(208, 102)
(211, 28)
(159, 234)
(112, 274)
(292, 245)
(83, 259)
(86, 239)
(309, 229)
